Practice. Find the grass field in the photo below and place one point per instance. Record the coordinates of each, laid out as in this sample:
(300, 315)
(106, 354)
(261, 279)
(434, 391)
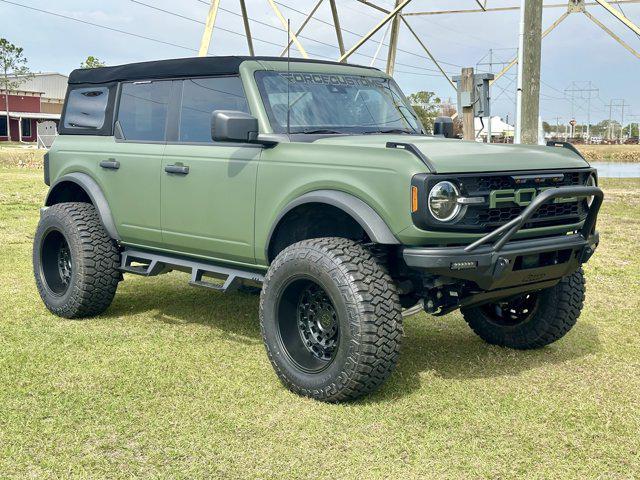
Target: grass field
(611, 153)
(173, 382)
(20, 157)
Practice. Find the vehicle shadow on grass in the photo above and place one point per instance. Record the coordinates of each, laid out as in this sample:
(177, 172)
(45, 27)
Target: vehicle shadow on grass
(443, 347)
(447, 348)
(233, 315)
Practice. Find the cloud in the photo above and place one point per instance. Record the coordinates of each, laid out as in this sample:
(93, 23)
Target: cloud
(576, 50)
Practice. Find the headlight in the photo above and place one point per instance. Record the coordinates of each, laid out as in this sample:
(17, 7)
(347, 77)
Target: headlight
(591, 182)
(443, 201)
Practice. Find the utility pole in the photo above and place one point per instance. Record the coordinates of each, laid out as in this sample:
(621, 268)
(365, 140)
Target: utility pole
(622, 120)
(489, 132)
(467, 86)
(609, 124)
(518, 123)
(573, 115)
(620, 104)
(589, 119)
(632, 123)
(528, 93)
(589, 114)
(558, 127)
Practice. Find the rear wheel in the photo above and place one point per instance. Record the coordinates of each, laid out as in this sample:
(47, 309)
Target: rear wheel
(75, 263)
(330, 319)
(531, 320)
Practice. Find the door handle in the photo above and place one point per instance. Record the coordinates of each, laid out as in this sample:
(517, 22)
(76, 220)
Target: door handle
(111, 164)
(179, 169)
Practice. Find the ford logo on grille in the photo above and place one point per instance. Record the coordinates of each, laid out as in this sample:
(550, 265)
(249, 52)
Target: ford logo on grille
(521, 197)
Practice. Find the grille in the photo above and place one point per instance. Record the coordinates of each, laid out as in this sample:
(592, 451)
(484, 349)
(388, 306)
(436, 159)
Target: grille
(483, 185)
(480, 218)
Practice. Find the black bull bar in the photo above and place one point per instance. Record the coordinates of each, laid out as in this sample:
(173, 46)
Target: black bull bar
(493, 262)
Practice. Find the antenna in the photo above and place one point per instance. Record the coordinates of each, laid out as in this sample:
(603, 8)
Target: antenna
(288, 76)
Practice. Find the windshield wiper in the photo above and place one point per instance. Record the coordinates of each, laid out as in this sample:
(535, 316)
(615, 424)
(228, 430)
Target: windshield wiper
(393, 130)
(317, 131)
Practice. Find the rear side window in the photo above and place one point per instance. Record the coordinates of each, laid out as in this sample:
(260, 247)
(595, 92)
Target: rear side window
(86, 108)
(200, 97)
(142, 112)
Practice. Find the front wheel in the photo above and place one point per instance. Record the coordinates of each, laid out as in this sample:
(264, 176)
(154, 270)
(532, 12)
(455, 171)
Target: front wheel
(531, 320)
(330, 319)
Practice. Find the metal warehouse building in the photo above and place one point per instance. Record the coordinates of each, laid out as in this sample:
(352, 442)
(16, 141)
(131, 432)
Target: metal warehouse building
(34, 108)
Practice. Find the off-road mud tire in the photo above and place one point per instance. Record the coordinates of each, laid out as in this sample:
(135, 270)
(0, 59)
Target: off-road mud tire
(368, 312)
(94, 260)
(556, 313)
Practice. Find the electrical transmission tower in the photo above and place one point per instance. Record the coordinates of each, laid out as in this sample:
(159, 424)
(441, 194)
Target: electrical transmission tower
(583, 92)
(622, 105)
(637, 123)
(398, 18)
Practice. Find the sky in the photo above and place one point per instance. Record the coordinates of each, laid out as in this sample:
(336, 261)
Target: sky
(575, 53)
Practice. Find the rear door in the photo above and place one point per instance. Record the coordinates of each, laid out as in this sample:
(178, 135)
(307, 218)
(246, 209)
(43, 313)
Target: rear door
(130, 170)
(207, 188)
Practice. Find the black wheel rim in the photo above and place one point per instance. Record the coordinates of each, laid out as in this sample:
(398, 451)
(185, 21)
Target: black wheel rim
(308, 325)
(56, 263)
(317, 322)
(514, 311)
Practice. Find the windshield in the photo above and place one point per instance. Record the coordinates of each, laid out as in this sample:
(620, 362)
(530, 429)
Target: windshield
(323, 103)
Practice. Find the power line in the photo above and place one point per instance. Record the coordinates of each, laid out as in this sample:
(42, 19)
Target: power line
(184, 17)
(422, 20)
(552, 87)
(195, 20)
(359, 35)
(184, 47)
(456, 32)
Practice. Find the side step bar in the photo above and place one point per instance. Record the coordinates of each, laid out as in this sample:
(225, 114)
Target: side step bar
(148, 264)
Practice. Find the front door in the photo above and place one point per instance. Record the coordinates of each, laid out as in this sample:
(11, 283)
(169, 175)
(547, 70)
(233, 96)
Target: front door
(207, 188)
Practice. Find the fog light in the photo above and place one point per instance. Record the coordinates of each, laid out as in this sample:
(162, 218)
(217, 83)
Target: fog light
(468, 265)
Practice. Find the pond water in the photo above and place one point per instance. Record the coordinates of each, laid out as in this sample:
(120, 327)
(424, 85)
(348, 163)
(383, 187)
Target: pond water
(617, 169)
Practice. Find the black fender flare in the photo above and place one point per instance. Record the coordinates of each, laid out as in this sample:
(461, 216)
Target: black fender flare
(375, 227)
(93, 190)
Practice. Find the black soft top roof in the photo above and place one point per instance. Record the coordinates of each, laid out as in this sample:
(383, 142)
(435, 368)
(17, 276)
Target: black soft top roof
(179, 67)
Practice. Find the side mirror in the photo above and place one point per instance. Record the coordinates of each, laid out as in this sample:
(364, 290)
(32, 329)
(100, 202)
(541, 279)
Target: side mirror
(443, 126)
(234, 126)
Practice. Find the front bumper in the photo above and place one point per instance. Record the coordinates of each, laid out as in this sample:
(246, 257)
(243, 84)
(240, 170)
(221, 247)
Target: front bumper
(492, 262)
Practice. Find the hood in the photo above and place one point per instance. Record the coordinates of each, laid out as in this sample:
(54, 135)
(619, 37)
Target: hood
(456, 156)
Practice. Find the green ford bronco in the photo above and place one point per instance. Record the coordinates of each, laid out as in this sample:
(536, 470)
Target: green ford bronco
(316, 181)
